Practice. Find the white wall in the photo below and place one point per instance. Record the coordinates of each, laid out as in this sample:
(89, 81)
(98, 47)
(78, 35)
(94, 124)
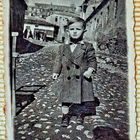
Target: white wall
(32, 27)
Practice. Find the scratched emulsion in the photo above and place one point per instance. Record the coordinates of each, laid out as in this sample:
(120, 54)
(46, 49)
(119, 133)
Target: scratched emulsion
(137, 48)
(2, 90)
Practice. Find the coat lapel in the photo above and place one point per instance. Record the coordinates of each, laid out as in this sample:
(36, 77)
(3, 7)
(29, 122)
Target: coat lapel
(79, 50)
(67, 52)
(72, 56)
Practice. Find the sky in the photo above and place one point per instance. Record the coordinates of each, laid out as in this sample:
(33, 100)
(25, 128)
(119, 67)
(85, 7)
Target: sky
(56, 2)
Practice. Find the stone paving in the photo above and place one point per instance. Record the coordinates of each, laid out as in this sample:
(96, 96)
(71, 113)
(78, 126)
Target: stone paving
(41, 119)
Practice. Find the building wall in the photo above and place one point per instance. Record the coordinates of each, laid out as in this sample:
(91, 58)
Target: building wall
(106, 19)
(17, 14)
(70, 8)
(92, 6)
(44, 10)
(60, 21)
(57, 19)
(107, 27)
(17, 10)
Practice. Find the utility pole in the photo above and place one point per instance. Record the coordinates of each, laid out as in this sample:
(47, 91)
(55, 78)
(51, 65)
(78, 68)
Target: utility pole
(102, 4)
(14, 57)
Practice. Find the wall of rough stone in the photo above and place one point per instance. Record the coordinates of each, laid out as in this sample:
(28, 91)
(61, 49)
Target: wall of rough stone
(107, 27)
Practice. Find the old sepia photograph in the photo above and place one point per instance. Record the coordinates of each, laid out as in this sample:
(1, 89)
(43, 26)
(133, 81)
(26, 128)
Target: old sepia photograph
(69, 69)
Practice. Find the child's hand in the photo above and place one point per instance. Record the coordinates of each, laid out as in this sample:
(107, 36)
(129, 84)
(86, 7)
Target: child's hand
(55, 76)
(88, 73)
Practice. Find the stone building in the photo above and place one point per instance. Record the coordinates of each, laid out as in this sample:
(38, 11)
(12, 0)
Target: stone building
(56, 15)
(40, 29)
(87, 7)
(105, 17)
(107, 25)
(60, 19)
(45, 10)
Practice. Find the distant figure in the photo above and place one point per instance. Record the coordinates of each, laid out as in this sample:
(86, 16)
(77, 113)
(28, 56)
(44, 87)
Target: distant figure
(38, 35)
(30, 34)
(41, 36)
(35, 35)
(25, 33)
(45, 36)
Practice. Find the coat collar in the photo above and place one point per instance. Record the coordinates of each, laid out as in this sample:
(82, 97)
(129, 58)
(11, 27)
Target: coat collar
(79, 50)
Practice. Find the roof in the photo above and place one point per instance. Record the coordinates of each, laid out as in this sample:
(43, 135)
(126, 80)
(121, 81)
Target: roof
(66, 14)
(37, 21)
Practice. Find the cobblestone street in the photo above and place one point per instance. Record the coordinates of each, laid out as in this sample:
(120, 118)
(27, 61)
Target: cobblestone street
(41, 119)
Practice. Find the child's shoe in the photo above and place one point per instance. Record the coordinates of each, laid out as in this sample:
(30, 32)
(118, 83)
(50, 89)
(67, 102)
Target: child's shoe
(65, 120)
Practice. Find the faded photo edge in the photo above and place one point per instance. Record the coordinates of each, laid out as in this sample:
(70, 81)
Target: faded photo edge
(131, 72)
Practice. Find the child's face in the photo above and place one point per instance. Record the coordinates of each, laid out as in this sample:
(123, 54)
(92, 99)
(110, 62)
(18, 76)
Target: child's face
(76, 30)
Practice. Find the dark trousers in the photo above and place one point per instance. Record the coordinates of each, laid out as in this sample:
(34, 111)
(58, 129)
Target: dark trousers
(85, 108)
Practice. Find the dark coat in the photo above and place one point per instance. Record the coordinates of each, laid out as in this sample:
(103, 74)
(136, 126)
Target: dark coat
(76, 88)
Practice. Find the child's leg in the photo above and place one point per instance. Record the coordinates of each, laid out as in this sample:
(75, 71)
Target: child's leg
(65, 109)
(80, 113)
(66, 116)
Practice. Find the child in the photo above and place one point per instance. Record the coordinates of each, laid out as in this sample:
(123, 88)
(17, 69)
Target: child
(76, 60)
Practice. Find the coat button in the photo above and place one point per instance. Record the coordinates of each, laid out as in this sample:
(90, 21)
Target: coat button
(69, 78)
(68, 68)
(77, 76)
(77, 66)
